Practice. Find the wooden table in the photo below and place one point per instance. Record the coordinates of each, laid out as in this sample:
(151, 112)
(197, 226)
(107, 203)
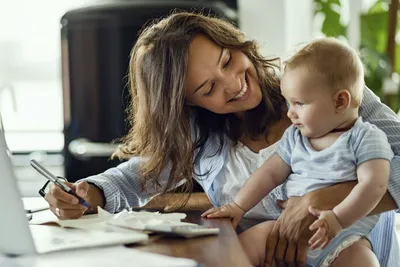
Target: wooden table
(211, 251)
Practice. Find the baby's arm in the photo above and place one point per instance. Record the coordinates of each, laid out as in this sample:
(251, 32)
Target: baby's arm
(373, 155)
(373, 177)
(272, 173)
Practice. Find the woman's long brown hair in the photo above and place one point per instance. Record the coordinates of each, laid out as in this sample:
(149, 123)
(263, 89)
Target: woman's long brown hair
(161, 131)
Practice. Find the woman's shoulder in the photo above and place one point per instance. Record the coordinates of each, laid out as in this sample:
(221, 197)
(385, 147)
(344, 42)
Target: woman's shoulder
(364, 132)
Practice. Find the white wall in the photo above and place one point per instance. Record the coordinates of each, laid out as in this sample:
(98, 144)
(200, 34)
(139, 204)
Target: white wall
(279, 25)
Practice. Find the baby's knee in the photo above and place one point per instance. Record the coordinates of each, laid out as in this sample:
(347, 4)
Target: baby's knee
(358, 254)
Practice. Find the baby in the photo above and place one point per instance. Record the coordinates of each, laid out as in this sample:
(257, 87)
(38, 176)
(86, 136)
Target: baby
(328, 143)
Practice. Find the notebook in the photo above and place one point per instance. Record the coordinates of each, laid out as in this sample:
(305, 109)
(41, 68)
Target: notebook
(18, 237)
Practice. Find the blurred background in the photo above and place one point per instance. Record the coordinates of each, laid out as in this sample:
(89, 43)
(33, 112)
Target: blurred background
(63, 66)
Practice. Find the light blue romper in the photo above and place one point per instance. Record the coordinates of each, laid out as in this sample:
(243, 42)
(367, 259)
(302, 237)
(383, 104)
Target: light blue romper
(338, 163)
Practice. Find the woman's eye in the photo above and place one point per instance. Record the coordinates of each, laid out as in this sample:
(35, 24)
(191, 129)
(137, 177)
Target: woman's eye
(227, 63)
(211, 90)
(299, 104)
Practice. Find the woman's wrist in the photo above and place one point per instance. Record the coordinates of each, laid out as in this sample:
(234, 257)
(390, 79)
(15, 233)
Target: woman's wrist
(329, 197)
(95, 197)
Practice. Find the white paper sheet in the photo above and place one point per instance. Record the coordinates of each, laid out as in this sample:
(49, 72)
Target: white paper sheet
(125, 220)
(35, 203)
(98, 257)
(52, 238)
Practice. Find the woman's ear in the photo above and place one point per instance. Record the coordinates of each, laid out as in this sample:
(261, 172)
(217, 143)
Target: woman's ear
(342, 100)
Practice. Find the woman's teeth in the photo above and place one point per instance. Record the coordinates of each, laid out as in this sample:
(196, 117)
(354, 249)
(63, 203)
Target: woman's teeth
(242, 92)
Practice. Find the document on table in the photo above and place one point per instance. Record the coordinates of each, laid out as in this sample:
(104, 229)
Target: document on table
(98, 257)
(104, 221)
(52, 238)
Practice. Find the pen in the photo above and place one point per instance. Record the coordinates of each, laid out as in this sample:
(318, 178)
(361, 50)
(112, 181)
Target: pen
(48, 175)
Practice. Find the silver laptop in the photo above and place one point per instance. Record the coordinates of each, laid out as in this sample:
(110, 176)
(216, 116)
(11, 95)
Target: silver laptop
(17, 237)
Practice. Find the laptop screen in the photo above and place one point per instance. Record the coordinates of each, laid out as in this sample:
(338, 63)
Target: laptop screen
(15, 235)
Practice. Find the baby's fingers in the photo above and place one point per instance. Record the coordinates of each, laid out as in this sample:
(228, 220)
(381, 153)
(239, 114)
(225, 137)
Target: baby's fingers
(318, 236)
(317, 224)
(321, 243)
(325, 244)
(220, 213)
(208, 212)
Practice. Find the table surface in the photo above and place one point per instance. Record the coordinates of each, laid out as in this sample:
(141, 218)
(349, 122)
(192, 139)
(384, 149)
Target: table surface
(211, 251)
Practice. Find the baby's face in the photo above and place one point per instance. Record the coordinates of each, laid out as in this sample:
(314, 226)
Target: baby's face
(310, 103)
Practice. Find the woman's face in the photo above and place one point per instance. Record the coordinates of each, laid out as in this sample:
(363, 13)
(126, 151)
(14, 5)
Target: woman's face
(219, 79)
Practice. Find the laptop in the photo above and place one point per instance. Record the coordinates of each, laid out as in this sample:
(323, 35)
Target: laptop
(17, 237)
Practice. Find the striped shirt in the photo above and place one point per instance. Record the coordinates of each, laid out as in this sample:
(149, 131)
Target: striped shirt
(122, 188)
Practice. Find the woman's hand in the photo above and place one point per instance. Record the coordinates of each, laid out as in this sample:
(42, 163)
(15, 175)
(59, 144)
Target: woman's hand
(66, 206)
(288, 241)
(231, 210)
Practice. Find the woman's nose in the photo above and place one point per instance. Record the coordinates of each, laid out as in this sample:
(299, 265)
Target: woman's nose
(232, 83)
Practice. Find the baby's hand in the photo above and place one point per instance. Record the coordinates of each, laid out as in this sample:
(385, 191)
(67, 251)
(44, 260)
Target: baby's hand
(328, 227)
(231, 210)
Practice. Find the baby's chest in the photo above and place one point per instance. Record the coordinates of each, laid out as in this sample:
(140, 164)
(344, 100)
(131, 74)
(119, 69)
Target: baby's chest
(324, 142)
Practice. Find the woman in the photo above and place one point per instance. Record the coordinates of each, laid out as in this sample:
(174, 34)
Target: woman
(206, 104)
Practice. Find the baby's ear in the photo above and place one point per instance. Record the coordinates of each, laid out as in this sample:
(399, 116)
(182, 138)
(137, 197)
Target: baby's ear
(342, 100)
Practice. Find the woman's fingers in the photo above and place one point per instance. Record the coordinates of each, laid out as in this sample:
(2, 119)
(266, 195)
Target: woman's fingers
(301, 255)
(280, 251)
(67, 213)
(290, 257)
(81, 188)
(64, 205)
(272, 241)
(57, 194)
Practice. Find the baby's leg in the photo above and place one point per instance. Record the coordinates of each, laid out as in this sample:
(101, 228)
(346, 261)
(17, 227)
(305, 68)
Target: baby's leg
(358, 254)
(254, 242)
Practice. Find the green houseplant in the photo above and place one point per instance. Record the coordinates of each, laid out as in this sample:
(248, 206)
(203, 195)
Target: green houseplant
(374, 31)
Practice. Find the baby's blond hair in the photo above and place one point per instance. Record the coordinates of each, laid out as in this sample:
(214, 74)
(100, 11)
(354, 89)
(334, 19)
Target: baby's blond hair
(335, 62)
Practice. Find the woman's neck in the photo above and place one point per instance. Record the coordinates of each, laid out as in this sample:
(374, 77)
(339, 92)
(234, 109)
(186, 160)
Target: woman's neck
(272, 135)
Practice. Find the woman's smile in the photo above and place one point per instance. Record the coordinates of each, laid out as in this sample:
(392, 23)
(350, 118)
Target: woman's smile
(244, 93)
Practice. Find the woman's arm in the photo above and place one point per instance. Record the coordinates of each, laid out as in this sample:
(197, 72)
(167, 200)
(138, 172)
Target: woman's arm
(173, 201)
(373, 111)
(328, 197)
(121, 186)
